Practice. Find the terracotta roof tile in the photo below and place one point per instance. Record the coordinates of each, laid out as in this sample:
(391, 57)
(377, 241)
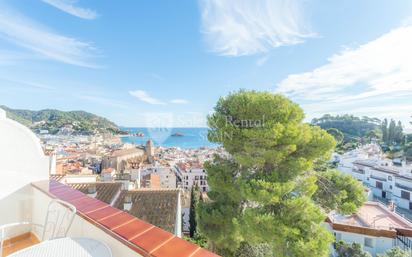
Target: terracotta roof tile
(176, 247)
(144, 238)
(157, 207)
(103, 213)
(105, 191)
(117, 220)
(204, 253)
(152, 239)
(133, 229)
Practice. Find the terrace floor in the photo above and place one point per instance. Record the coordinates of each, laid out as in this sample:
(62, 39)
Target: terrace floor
(20, 242)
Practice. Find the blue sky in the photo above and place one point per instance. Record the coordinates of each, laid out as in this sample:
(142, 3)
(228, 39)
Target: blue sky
(165, 63)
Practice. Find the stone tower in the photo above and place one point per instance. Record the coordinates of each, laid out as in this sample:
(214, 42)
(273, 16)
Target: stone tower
(149, 150)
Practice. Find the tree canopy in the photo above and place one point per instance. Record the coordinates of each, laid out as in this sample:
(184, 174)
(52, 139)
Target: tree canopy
(263, 192)
(392, 132)
(395, 252)
(52, 120)
(351, 126)
(350, 250)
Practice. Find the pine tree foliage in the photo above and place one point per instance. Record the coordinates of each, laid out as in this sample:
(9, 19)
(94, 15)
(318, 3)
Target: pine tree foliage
(395, 252)
(263, 192)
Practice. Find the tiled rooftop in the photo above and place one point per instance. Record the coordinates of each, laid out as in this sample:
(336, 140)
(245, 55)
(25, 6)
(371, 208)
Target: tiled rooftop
(157, 207)
(106, 191)
(144, 238)
(372, 218)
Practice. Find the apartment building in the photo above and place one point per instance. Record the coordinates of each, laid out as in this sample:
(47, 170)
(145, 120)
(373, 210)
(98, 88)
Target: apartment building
(391, 180)
(192, 173)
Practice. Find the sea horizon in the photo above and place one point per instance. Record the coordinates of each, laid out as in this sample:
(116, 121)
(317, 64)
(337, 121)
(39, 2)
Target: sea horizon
(181, 137)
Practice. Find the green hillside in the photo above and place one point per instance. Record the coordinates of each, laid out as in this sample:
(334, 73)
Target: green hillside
(80, 122)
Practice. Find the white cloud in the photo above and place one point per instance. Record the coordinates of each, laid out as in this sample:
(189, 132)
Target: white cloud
(145, 97)
(378, 70)
(246, 27)
(384, 65)
(179, 101)
(262, 60)
(69, 7)
(40, 40)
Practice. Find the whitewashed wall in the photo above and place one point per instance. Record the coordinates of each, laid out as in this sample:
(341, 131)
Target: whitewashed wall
(79, 228)
(22, 162)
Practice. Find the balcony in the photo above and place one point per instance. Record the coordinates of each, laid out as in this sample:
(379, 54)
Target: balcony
(26, 191)
(403, 187)
(378, 178)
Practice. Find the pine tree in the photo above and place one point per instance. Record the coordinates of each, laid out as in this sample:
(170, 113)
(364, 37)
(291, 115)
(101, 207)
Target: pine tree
(263, 192)
(395, 252)
(391, 131)
(350, 250)
(384, 128)
(399, 133)
(194, 200)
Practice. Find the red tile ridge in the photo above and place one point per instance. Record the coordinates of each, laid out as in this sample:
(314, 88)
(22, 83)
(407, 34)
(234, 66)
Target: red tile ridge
(195, 251)
(94, 210)
(162, 244)
(89, 205)
(74, 201)
(141, 233)
(111, 215)
(123, 224)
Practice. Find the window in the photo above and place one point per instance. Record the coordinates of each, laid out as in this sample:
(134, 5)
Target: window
(338, 237)
(368, 242)
(405, 195)
(390, 186)
(390, 178)
(379, 185)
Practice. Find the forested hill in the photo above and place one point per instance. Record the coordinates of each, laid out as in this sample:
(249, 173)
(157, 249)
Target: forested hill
(351, 126)
(55, 121)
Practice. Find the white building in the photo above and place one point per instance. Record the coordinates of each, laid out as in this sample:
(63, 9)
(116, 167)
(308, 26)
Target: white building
(386, 179)
(167, 177)
(374, 227)
(192, 173)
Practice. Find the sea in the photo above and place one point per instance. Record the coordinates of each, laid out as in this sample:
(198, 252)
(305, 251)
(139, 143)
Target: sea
(189, 138)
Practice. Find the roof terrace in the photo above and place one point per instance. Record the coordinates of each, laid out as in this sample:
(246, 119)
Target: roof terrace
(26, 191)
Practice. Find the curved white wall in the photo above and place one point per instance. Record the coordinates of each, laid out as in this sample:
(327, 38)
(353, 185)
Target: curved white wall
(22, 160)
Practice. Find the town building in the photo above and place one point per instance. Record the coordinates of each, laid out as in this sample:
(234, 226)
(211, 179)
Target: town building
(191, 174)
(375, 227)
(119, 158)
(388, 180)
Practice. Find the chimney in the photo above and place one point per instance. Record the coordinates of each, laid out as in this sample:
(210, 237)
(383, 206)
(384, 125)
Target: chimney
(392, 206)
(91, 191)
(127, 205)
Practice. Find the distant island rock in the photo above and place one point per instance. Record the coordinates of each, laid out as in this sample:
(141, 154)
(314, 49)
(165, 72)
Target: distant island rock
(61, 122)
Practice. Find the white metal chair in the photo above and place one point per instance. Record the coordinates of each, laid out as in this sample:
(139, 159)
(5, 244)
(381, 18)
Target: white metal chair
(58, 221)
